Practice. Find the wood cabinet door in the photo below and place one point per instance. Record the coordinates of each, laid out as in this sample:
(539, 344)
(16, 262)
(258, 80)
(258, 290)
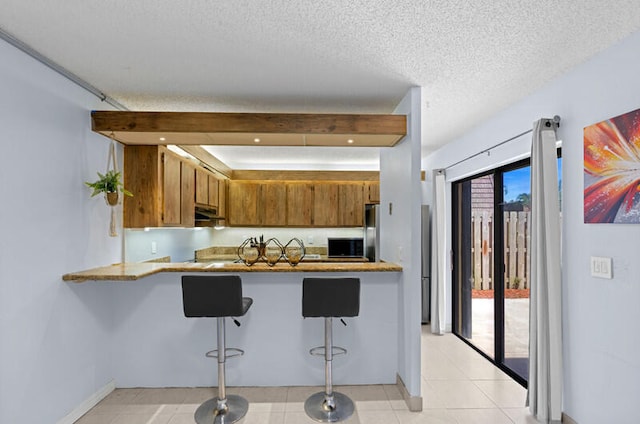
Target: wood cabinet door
(242, 203)
(187, 195)
(202, 187)
(213, 191)
(143, 177)
(171, 193)
(350, 204)
(299, 204)
(222, 198)
(372, 192)
(273, 204)
(325, 205)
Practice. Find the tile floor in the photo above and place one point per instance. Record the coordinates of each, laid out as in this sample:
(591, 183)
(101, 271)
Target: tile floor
(458, 387)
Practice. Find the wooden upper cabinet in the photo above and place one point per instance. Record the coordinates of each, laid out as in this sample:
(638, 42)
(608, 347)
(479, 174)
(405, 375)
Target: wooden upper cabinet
(350, 204)
(202, 187)
(143, 176)
(299, 204)
(280, 203)
(325, 205)
(242, 203)
(372, 192)
(163, 187)
(222, 198)
(213, 197)
(187, 195)
(207, 189)
(272, 206)
(251, 203)
(172, 199)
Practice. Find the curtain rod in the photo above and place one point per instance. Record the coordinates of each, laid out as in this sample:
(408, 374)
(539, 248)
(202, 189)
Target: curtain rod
(556, 120)
(59, 69)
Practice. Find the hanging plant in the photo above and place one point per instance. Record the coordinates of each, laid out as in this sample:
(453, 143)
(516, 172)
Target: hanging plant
(110, 183)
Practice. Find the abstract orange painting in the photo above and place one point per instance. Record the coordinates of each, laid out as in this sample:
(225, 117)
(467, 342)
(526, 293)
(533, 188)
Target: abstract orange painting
(612, 170)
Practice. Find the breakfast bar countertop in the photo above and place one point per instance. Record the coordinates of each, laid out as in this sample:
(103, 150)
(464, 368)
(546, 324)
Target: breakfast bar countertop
(136, 271)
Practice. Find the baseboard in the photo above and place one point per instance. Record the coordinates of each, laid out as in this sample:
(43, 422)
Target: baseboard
(88, 403)
(414, 403)
(567, 419)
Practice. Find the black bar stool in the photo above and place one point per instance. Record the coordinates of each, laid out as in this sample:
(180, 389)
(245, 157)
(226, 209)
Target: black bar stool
(329, 298)
(219, 297)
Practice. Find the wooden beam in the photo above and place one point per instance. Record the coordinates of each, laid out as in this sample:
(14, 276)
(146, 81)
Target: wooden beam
(206, 122)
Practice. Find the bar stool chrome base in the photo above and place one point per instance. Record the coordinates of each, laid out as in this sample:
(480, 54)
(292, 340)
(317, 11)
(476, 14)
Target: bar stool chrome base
(208, 412)
(318, 407)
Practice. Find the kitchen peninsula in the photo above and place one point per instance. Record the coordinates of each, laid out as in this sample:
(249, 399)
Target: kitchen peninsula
(156, 346)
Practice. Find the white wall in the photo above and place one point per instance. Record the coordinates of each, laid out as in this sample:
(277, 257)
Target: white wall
(601, 318)
(54, 336)
(400, 233)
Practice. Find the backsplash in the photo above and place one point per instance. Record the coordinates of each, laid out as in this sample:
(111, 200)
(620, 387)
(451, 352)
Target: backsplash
(181, 243)
(232, 236)
(178, 243)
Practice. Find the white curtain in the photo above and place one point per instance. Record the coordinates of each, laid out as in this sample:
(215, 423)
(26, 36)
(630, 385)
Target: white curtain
(438, 254)
(544, 395)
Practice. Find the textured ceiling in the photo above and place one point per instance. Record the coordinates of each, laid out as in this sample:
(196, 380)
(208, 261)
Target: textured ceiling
(473, 58)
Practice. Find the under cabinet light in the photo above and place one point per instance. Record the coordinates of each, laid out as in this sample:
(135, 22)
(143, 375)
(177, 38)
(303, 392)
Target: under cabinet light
(179, 151)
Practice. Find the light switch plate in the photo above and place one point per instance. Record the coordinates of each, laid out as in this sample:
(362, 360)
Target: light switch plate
(154, 247)
(601, 267)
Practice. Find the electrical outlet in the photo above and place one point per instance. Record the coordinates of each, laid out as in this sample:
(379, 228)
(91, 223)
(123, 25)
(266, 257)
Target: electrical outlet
(601, 267)
(310, 240)
(154, 247)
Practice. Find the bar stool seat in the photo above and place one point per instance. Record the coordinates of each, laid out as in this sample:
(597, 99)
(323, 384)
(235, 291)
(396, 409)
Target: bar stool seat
(329, 298)
(217, 297)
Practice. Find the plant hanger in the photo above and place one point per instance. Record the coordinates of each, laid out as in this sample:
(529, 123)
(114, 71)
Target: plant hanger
(111, 160)
(110, 185)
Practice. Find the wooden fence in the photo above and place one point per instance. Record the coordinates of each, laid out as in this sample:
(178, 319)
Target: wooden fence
(517, 244)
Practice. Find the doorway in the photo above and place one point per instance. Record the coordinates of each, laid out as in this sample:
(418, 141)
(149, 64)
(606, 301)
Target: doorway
(491, 264)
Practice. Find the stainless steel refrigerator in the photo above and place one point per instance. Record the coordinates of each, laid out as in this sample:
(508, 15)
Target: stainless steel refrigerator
(372, 232)
(426, 265)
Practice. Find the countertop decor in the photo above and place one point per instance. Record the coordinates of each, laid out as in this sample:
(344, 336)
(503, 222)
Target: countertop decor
(255, 249)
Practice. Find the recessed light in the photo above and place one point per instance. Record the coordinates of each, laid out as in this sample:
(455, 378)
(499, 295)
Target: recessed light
(162, 139)
(256, 140)
(350, 141)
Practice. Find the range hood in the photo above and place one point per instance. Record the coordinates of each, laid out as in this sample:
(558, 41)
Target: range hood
(207, 216)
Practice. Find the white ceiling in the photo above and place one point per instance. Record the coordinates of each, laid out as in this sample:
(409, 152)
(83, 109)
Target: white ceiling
(473, 58)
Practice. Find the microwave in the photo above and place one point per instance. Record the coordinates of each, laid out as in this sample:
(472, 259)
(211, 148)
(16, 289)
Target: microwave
(345, 247)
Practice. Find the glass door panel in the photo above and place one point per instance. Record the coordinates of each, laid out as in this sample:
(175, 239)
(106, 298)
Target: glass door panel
(516, 219)
(474, 263)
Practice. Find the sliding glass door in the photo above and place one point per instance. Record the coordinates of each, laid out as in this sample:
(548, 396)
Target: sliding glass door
(491, 275)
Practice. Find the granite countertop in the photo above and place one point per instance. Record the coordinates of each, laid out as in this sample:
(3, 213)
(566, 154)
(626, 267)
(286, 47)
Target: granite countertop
(136, 271)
